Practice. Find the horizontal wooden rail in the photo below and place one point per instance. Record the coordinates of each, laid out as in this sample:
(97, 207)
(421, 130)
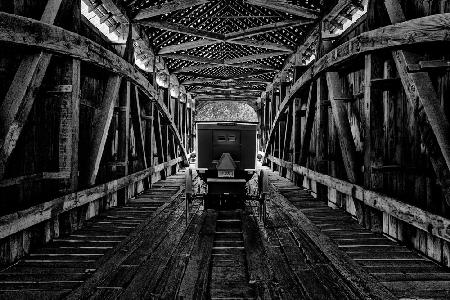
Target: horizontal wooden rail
(419, 218)
(434, 28)
(24, 219)
(34, 177)
(24, 31)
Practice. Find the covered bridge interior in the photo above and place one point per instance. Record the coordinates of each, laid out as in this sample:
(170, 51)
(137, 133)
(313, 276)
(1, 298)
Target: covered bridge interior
(99, 101)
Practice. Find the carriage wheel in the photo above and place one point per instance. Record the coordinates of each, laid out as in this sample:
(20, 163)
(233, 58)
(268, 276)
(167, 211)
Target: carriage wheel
(188, 192)
(263, 190)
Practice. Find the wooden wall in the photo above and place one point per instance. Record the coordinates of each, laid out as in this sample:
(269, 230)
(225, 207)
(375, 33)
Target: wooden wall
(390, 152)
(51, 163)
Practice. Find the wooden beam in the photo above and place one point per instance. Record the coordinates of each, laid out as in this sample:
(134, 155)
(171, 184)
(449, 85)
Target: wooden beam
(433, 123)
(245, 77)
(261, 44)
(21, 94)
(373, 131)
(348, 148)
(186, 46)
(255, 57)
(123, 132)
(225, 82)
(252, 31)
(19, 221)
(184, 30)
(167, 8)
(286, 8)
(426, 29)
(418, 218)
(218, 97)
(28, 33)
(137, 126)
(101, 123)
(69, 123)
(193, 58)
(226, 90)
(158, 139)
(22, 31)
(307, 129)
(225, 64)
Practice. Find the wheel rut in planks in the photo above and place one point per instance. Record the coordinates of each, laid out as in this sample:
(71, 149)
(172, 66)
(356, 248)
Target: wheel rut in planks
(229, 278)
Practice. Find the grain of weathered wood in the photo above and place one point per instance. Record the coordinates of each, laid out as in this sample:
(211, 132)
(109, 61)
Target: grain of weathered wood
(109, 263)
(419, 85)
(259, 273)
(419, 218)
(392, 36)
(137, 126)
(360, 282)
(307, 129)
(102, 120)
(195, 278)
(21, 31)
(340, 116)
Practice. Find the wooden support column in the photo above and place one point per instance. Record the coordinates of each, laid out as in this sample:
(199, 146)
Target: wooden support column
(297, 129)
(287, 153)
(123, 138)
(322, 126)
(266, 118)
(123, 129)
(339, 110)
(19, 99)
(100, 124)
(158, 140)
(149, 133)
(307, 130)
(67, 89)
(165, 131)
(137, 126)
(373, 136)
(433, 124)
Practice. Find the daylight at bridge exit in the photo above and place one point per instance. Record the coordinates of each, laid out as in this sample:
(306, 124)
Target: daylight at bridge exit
(225, 149)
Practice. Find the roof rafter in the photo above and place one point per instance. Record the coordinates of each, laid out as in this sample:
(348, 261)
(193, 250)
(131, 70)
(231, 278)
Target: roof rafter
(238, 37)
(286, 8)
(224, 81)
(183, 29)
(225, 64)
(249, 32)
(167, 8)
(219, 88)
(255, 57)
(186, 46)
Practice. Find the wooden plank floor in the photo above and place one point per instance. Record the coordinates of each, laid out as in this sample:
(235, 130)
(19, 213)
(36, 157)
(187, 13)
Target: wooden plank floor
(68, 264)
(147, 250)
(405, 272)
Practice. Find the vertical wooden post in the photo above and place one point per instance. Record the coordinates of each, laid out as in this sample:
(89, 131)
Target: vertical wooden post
(123, 138)
(348, 148)
(322, 126)
(158, 140)
(68, 74)
(19, 99)
(373, 136)
(307, 129)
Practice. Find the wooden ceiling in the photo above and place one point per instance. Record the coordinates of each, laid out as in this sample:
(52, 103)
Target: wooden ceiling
(225, 48)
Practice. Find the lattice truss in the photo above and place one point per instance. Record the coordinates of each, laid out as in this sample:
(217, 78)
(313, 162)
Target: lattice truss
(226, 49)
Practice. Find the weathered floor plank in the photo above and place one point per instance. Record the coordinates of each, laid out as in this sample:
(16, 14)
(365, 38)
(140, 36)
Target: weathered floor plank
(67, 265)
(403, 271)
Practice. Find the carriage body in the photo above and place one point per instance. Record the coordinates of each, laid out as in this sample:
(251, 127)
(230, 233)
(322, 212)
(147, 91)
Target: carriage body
(226, 158)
